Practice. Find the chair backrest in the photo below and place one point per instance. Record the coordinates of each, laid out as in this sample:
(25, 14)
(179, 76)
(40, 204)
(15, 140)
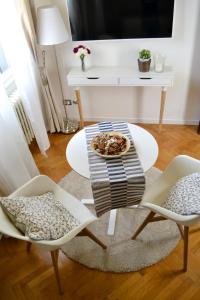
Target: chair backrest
(180, 166)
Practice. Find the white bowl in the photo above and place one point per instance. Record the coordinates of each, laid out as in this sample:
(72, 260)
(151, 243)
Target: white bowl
(128, 144)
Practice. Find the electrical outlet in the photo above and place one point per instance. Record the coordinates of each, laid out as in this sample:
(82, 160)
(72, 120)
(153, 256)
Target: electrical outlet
(67, 102)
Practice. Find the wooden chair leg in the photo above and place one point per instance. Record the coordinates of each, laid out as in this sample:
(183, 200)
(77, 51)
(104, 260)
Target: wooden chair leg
(28, 246)
(198, 129)
(146, 221)
(86, 232)
(185, 255)
(180, 230)
(54, 257)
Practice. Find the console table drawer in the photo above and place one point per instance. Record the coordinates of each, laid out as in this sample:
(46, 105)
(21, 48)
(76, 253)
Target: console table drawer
(148, 81)
(91, 81)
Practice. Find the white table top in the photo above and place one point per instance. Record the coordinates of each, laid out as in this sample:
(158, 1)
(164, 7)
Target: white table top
(146, 146)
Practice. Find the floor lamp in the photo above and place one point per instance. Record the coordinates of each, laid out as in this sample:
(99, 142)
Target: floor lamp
(51, 31)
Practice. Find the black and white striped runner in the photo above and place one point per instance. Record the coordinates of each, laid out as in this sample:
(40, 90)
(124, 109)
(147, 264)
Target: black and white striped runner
(116, 182)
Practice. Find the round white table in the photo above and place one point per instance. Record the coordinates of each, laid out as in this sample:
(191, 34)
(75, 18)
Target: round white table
(77, 156)
(145, 144)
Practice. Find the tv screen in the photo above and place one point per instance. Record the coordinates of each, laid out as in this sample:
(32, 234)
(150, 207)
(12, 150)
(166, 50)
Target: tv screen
(120, 19)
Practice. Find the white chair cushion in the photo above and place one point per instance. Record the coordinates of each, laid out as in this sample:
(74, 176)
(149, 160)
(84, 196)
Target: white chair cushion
(184, 196)
(39, 217)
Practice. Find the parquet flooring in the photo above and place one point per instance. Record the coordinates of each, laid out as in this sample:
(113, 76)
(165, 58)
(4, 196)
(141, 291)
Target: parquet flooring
(30, 276)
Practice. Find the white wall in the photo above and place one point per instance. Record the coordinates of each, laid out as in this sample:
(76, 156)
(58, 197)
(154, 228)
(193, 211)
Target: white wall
(142, 104)
(192, 110)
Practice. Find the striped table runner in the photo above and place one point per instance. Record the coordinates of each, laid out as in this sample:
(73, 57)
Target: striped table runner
(116, 182)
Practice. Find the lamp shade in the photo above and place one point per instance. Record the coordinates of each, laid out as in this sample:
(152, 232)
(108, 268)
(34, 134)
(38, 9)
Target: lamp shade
(50, 26)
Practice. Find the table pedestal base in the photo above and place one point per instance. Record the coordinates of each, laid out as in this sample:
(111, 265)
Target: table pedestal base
(112, 218)
(112, 222)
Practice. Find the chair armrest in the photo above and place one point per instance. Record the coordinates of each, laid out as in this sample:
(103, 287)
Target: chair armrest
(36, 186)
(180, 219)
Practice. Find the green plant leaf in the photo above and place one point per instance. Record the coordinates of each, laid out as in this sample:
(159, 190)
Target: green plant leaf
(144, 54)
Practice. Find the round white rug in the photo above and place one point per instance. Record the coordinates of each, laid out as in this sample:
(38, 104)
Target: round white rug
(154, 243)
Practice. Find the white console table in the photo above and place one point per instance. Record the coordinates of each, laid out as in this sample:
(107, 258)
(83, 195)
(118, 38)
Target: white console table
(115, 76)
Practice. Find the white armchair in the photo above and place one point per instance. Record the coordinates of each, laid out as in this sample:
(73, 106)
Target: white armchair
(40, 185)
(155, 195)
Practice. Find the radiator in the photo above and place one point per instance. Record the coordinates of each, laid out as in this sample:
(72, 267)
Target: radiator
(22, 117)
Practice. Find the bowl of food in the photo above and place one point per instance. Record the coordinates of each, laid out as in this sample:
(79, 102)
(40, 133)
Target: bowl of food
(110, 144)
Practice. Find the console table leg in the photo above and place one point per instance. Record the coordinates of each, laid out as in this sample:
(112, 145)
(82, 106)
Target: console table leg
(78, 99)
(162, 106)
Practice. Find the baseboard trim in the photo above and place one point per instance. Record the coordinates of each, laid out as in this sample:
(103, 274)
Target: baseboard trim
(146, 121)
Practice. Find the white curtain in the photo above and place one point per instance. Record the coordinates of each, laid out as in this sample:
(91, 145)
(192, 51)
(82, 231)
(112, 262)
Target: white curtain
(25, 71)
(51, 100)
(16, 162)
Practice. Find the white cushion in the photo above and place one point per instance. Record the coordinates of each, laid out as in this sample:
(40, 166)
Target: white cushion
(184, 197)
(39, 217)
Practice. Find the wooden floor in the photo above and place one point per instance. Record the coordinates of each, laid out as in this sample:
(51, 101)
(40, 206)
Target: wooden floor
(30, 276)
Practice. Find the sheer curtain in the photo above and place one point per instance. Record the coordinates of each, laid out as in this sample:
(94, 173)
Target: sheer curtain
(53, 113)
(16, 162)
(24, 69)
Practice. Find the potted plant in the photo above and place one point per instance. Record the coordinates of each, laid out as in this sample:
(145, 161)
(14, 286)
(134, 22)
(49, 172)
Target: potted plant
(144, 60)
(82, 51)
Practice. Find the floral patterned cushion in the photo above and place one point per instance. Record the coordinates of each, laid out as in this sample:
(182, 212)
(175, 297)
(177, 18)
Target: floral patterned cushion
(39, 217)
(184, 197)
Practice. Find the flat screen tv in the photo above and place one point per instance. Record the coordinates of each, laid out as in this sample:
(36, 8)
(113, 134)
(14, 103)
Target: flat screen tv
(120, 19)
